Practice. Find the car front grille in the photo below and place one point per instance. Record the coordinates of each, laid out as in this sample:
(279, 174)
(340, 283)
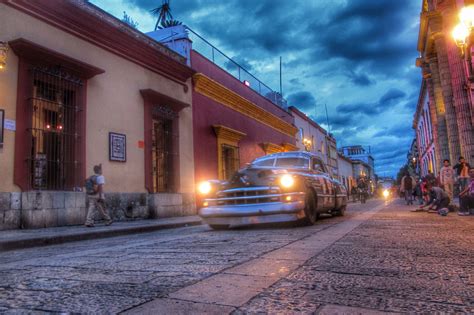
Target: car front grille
(248, 195)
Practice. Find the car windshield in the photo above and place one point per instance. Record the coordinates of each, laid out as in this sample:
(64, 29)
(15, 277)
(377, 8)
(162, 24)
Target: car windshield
(292, 162)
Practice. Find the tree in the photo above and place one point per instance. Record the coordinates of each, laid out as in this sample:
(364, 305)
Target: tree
(164, 14)
(127, 19)
(402, 172)
(169, 23)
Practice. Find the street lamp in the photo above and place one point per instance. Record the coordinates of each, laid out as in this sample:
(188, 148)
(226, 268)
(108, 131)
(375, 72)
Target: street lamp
(3, 55)
(462, 34)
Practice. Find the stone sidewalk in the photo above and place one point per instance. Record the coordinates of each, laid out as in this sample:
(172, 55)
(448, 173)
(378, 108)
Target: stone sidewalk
(17, 239)
(396, 262)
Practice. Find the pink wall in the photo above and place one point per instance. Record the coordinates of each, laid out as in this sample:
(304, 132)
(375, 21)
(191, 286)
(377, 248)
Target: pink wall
(207, 112)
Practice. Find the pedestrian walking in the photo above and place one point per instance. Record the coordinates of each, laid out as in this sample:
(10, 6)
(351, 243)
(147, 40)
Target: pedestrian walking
(462, 171)
(407, 185)
(439, 200)
(418, 192)
(95, 192)
(466, 197)
(447, 176)
(354, 193)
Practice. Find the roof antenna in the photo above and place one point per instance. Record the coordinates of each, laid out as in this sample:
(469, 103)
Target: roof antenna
(327, 118)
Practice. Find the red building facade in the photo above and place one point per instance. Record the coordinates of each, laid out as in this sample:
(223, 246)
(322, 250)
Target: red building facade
(232, 123)
(447, 82)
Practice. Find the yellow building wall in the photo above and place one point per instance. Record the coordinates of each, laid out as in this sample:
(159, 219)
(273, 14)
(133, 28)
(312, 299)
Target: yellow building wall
(114, 104)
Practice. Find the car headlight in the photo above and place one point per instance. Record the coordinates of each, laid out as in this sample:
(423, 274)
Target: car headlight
(386, 193)
(204, 188)
(287, 181)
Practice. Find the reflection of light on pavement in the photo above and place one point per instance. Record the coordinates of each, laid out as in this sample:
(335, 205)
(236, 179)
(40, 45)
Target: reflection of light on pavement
(283, 269)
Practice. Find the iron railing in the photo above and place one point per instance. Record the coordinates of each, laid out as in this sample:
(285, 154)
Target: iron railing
(163, 154)
(215, 55)
(230, 160)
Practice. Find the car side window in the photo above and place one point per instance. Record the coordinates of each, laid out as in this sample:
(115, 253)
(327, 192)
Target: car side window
(266, 162)
(317, 166)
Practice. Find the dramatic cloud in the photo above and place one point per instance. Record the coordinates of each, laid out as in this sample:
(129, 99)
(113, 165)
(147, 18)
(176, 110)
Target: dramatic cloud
(355, 56)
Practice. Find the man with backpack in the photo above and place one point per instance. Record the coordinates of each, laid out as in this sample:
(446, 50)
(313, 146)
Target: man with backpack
(407, 185)
(95, 193)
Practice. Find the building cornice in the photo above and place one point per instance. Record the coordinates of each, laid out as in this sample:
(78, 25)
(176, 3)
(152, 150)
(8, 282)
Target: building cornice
(90, 23)
(419, 105)
(302, 115)
(271, 148)
(289, 147)
(429, 22)
(228, 134)
(219, 93)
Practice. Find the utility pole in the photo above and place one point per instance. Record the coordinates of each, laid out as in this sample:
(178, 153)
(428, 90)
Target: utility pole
(327, 118)
(281, 89)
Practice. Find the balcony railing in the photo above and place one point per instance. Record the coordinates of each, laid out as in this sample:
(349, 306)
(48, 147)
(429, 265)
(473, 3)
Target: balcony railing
(215, 55)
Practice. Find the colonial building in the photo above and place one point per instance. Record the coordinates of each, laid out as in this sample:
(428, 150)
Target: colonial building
(364, 163)
(236, 117)
(346, 171)
(311, 136)
(427, 155)
(79, 88)
(446, 98)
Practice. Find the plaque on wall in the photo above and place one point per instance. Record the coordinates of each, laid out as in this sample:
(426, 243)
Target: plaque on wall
(2, 127)
(117, 147)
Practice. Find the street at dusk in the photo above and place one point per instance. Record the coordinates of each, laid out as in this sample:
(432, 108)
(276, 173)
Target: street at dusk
(236, 157)
(379, 257)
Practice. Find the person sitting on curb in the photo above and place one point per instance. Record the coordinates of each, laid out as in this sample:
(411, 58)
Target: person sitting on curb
(95, 192)
(439, 200)
(466, 197)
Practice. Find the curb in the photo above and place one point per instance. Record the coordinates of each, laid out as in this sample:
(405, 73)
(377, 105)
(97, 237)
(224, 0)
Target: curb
(9, 245)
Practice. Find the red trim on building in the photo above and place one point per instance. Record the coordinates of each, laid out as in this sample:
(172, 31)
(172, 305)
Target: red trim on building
(151, 98)
(38, 54)
(89, 23)
(20, 170)
(30, 53)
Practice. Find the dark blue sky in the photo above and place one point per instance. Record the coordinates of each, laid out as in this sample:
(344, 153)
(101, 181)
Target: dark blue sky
(356, 56)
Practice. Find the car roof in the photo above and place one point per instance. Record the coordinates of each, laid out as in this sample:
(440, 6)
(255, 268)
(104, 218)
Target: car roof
(290, 154)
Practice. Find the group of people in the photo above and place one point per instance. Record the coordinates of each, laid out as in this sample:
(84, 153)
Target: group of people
(437, 194)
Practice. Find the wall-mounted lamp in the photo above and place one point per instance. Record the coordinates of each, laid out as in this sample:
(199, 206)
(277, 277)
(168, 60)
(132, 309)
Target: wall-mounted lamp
(307, 144)
(462, 35)
(3, 55)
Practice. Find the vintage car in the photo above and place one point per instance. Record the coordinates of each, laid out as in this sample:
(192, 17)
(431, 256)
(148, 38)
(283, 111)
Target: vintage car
(281, 187)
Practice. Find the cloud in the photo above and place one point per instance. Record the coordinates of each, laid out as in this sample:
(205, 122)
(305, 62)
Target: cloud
(355, 56)
(360, 79)
(304, 100)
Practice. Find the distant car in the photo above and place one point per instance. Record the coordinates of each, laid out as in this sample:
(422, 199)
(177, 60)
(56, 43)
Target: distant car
(282, 187)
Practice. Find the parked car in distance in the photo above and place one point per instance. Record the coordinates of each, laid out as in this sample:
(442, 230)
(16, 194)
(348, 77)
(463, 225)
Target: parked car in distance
(281, 187)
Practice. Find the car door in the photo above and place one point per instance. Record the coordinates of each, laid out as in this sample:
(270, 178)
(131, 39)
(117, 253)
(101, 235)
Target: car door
(325, 188)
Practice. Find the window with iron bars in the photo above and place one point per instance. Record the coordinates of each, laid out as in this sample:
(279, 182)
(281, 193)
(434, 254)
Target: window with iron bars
(230, 160)
(163, 154)
(53, 134)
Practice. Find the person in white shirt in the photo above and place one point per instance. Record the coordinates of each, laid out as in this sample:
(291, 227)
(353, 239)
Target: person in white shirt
(97, 199)
(446, 177)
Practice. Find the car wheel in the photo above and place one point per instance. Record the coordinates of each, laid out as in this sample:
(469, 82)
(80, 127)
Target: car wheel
(219, 227)
(311, 215)
(341, 211)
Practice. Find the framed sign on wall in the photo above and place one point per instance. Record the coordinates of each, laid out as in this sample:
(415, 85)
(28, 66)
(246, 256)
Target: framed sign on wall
(117, 147)
(2, 126)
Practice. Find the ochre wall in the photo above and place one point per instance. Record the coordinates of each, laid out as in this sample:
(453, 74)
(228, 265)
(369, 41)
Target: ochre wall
(114, 104)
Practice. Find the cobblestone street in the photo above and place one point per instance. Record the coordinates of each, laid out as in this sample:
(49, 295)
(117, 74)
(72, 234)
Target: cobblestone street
(376, 258)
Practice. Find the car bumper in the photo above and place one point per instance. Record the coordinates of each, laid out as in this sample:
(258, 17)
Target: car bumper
(248, 214)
